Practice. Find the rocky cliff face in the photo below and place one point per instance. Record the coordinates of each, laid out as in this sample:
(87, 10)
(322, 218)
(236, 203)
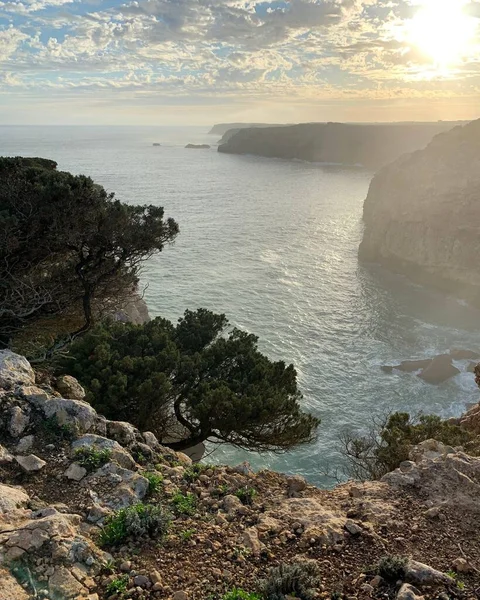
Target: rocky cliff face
(422, 213)
(67, 474)
(371, 146)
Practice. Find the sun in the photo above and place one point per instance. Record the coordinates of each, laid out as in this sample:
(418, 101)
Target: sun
(442, 30)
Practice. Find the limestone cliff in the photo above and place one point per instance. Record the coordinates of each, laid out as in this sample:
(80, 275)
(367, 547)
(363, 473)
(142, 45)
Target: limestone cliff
(422, 214)
(368, 145)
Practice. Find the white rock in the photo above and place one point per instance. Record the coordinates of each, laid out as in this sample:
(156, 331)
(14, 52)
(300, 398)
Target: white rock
(250, 540)
(74, 413)
(18, 422)
(296, 484)
(408, 592)
(231, 504)
(151, 440)
(119, 454)
(70, 388)
(75, 472)
(30, 463)
(25, 444)
(11, 498)
(5, 456)
(15, 370)
(122, 432)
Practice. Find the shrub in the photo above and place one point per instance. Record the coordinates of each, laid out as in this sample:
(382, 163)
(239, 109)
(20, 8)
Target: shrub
(389, 441)
(392, 568)
(135, 521)
(246, 495)
(155, 481)
(118, 585)
(92, 459)
(194, 471)
(300, 579)
(238, 594)
(184, 504)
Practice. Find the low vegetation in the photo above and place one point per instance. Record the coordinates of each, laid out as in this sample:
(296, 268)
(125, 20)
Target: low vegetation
(91, 458)
(237, 594)
(140, 520)
(184, 504)
(155, 481)
(299, 579)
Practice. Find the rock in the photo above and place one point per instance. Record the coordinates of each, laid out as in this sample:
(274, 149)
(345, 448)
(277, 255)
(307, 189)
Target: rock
(25, 444)
(440, 369)
(151, 440)
(184, 459)
(5, 456)
(155, 577)
(119, 454)
(70, 388)
(410, 366)
(11, 498)
(461, 565)
(14, 370)
(121, 432)
(115, 487)
(126, 566)
(30, 463)
(10, 588)
(471, 420)
(420, 574)
(231, 504)
(420, 211)
(180, 596)
(296, 484)
(458, 354)
(433, 513)
(250, 540)
(243, 468)
(62, 584)
(157, 587)
(353, 528)
(141, 581)
(377, 581)
(75, 472)
(408, 592)
(197, 146)
(74, 413)
(18, 422)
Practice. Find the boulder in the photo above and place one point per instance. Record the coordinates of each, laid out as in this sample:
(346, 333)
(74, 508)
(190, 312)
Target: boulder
(30, 463)
(114, 487)
(10, 588)
(75, 472)
(73, 413)
(19, 421)
(119, 454)
(14, 370)
(408, 592)
(11, 498)
(418, 573)
(251, 542)
(295, 484)
(24, 444)
(440, 369)
(231, 504)
(410, 366)
(70, 388)
(121, 432)
(458, 354)
(62, 584)
(5, 456)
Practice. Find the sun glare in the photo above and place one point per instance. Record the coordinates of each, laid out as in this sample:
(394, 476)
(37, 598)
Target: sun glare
(442, 30)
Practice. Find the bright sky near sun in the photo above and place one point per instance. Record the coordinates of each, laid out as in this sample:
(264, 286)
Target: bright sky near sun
(203, 61)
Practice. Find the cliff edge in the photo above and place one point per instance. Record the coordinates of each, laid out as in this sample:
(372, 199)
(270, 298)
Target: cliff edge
(368, 145)
(422, 214)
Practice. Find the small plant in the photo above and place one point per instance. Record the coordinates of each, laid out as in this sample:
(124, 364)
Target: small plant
(187, 534)
(135, 521)
(336, 596)
(221, 490)
(193, 472)
(53, 428)
(184, 504)
(246, 495)
(237, 594)
(392, 568)
(92, 459)
(299, 579)
(454, 576)
(155, 480)
(118, 585)
(109, 566)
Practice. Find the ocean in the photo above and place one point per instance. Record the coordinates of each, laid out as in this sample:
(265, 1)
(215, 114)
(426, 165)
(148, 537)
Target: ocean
(273, 245)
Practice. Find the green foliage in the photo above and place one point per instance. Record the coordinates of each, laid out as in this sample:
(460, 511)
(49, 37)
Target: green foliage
(220, 387)
(184, 504)
(246, 495)
(389, 442)
(155, 481)
(53, 429)
(238, 594)
(454, 575)
(392, 568)
(67, 247)
(91, 458)
(193, 472)
(187, 534)
(221, 490)
(136, 521)
(299, 579)
(119, 585)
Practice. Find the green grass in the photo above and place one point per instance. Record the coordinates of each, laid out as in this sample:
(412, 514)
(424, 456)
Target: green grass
(118, 585)
(92, 459)
(155, 481)
(184, 504)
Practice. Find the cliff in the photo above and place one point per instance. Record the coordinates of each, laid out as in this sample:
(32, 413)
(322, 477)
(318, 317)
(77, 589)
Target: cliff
(93, 509)
(371, 146)
(222, 128)
(422, 214)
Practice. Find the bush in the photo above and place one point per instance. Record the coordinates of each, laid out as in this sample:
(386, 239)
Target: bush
(193, 472)
(299, 579)
(135, 521)
(237, 594)
(246, 495)
(155, 481)
(91, 458)
(184, 504)
(118, 585)
(389, 441)
(392, 568)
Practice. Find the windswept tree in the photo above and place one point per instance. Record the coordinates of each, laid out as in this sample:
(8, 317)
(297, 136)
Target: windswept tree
(68, 245)
(212, 382)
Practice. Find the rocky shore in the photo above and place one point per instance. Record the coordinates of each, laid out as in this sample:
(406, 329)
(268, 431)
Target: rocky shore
(422, 213)
(67, 474)
(367, 145)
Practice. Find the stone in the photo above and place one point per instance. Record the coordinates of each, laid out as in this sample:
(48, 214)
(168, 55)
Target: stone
(461, 565)
(250, 540)
(121, 432)
(157, 587)
(141, 581)
(75, 472)
(231, 504)
(11, 498)
(243, 468)
(408, 592)
(410, 366)
(18, 422)
(119, 454)
(115, 487)
(433, 513)
(30, 463)
(126, 566)
(10, 589)
(441, 369)
(73, 413)
(5, 456)
(70, 388)
(63, 584)
(155, 577)
(151, 440)
(418, 573)
(296, 484)
(25, 444)
(180, 595)
(377, 581)
(14, 370)
(458, 354)
(184, 459)
(353, 528)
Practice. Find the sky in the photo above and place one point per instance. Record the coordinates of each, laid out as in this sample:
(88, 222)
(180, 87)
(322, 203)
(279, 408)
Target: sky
(197, 62)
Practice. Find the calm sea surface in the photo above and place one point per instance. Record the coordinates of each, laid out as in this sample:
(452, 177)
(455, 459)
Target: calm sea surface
(273, 244)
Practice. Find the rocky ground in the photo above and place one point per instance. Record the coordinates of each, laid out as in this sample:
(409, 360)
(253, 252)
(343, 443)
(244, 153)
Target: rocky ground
(65, 471)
